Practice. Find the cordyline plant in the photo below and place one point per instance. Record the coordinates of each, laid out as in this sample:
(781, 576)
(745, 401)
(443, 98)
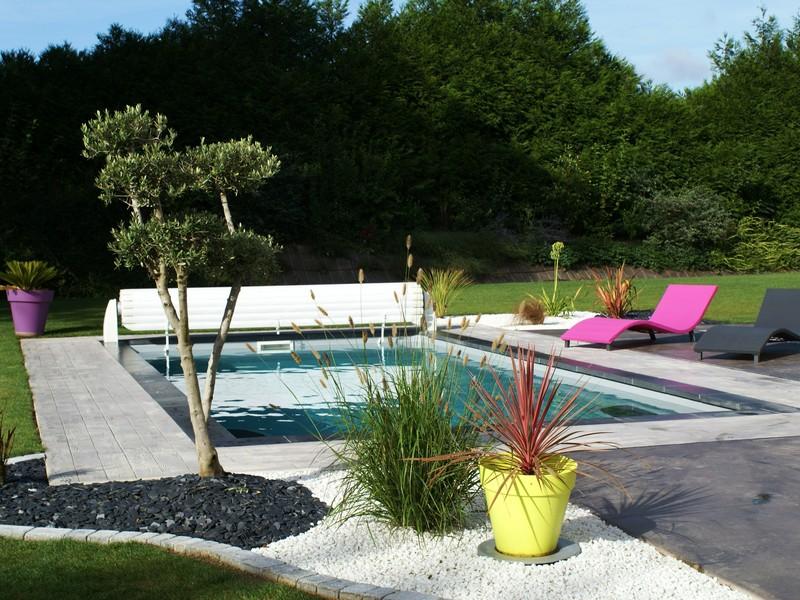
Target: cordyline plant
(522, 434)
(615, 292)
(173, 242)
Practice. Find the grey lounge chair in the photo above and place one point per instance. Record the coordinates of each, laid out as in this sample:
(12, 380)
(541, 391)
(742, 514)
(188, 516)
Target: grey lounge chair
(779, 317)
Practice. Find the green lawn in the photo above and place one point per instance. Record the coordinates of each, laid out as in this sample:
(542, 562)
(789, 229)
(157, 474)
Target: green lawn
(75, 570)
(737, 300)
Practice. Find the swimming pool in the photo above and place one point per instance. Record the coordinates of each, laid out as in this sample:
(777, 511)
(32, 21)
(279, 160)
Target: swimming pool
(262, 392)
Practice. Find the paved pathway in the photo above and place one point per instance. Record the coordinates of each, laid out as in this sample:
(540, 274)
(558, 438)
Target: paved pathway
(728, 508)
(96, 422)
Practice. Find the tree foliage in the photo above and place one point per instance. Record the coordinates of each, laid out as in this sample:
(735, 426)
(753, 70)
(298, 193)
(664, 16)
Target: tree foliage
(173, 244)
(460, 115)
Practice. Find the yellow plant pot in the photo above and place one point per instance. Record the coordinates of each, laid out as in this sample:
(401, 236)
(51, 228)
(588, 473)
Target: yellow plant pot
(527, 511)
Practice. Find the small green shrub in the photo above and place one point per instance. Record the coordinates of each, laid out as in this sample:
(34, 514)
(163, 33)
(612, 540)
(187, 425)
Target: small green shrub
(407, 414)
(764, 246)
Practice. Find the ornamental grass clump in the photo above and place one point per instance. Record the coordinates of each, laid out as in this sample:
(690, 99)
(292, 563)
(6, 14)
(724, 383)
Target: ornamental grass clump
(407, 414)
(6, 445)
(443, 285)
(616, 293)
(530, 311)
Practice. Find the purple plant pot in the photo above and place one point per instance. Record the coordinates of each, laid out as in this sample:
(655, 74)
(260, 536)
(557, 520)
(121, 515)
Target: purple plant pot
(29, 310)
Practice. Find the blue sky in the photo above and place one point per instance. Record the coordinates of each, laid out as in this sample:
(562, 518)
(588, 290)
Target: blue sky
(667, 41)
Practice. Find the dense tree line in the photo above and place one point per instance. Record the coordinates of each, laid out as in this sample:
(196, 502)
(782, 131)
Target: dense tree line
(463, 115)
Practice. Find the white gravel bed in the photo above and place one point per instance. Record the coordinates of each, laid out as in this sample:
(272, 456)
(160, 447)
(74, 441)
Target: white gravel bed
(612, 565)
(511, 322)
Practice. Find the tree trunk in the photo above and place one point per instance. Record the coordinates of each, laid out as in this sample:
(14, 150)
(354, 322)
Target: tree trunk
(207, 460)
(216, 351)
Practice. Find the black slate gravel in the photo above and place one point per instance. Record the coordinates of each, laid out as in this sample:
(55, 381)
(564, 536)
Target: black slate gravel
(241, 510)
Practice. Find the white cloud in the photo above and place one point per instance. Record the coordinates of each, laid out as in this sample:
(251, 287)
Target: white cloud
(680, 64)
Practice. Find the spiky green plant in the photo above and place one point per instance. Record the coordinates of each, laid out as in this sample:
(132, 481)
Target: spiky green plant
(555, 304)
(6, 445)
(407, 414)
(443, 285)
(529, 424)
(28, 275)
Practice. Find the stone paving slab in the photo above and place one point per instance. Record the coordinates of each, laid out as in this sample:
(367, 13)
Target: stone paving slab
(698, 428)
(730, 509)
(96, 422)
(756, 385)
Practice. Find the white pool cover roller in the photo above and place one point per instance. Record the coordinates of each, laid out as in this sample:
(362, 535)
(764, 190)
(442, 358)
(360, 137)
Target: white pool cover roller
(275, 307)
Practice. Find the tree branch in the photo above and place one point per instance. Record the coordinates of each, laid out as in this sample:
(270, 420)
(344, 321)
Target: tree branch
(216, 351)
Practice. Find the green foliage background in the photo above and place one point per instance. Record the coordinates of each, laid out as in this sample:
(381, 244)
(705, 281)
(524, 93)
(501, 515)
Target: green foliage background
(445, 115)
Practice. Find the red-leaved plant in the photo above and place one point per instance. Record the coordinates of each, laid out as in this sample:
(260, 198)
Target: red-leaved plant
(522, 437)
(616, 293)
(516, 417)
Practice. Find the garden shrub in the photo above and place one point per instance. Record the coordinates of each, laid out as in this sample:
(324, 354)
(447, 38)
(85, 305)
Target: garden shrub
(692, 218)
(764, 246)
(599, 252)
(615, 292)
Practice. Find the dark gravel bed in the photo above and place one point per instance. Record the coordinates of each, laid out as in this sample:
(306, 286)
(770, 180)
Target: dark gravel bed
(241, 510)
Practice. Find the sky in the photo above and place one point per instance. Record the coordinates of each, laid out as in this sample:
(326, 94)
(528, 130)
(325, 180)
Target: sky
(666, 41)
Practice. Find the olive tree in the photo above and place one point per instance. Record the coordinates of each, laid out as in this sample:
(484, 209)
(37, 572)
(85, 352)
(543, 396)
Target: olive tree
(172, 240)
(224, 169)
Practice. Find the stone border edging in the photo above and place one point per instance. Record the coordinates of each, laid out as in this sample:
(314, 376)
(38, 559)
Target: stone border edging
(18, 459)
(238, 558)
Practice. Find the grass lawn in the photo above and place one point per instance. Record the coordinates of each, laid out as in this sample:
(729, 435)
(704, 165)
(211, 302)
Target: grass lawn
(736, 301)
(67, 569)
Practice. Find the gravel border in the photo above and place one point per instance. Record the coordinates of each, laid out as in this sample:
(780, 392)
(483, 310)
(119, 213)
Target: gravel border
(612, 564)
(238, 509)
(233, 556)
(241, 560)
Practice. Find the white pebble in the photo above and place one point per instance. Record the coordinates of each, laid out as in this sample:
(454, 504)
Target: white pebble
(612, 564)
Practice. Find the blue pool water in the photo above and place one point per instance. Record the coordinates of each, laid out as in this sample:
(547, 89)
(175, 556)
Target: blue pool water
(269, 395)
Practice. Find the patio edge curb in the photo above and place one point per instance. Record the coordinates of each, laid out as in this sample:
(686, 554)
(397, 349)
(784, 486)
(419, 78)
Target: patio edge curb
(238, 558)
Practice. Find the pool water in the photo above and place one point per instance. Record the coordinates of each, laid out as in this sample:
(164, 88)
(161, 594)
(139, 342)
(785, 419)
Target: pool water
(269, 395)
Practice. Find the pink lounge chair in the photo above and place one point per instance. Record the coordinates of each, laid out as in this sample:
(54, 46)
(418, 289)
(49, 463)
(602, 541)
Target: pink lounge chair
(679, 311)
